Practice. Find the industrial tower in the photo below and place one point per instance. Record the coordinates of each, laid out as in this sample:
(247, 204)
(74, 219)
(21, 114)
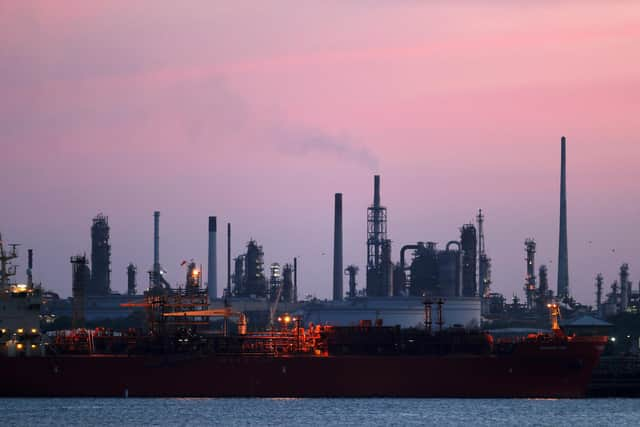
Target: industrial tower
(193, 279)
(80, 279)
(337, 249)
(563, 252)
(157, 282)
(249, 279)
(543, 286)
(599, 284)
(625, 287)
(100, 257)
(469, 245)
(352, 272)
(132, 283)
(484, 262)
(275, 280)
(288, 288)
(530, 279)
(379, 265)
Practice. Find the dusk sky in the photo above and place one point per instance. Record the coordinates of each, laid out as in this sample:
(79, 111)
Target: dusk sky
(259, 111)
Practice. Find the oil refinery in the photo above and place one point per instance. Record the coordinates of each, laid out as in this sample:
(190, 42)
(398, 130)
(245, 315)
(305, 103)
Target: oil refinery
(398, 294)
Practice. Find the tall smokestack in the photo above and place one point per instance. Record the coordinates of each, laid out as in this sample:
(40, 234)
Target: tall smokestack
(212, 281)
(563, 253)
(229, 259)
(156, 242)
(376, 191)
(30, 267)
(295, 279)
(156, 278)
(337, 249)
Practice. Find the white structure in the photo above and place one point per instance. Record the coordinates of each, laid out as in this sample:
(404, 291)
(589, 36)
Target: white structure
(404, 311)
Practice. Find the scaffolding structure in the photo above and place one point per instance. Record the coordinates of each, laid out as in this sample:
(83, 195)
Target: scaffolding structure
(379, 264)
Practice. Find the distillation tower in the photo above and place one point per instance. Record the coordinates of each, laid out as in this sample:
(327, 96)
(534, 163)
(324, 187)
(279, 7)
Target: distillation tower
(530, 279)
(469, 245)
(100, 284)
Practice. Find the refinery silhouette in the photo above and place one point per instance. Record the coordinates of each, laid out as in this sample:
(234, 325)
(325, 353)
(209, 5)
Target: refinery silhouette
(459, 272)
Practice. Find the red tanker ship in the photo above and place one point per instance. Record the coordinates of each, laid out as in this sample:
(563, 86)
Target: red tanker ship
(176, 359)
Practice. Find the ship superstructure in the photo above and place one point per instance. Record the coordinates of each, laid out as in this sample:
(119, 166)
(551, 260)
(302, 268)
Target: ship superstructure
(20, 303)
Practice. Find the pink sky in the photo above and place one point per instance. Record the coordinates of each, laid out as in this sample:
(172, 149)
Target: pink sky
(258, 112)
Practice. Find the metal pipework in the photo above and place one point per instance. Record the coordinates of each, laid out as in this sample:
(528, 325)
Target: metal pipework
(440, 321)
(403, 266)
(453, 242)
(458, 290)
(402, 251)
(427, 314)
(337, 249)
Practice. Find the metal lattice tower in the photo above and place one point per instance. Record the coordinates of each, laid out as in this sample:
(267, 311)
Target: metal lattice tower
(376, 228)
(484, 262)
(377, 245)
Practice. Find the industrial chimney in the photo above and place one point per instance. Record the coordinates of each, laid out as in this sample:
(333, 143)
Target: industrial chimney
(156, 248)
(30, 268)
(229, 259)
(563, 252)
(295, 279)
(337, 249)
(211, 268)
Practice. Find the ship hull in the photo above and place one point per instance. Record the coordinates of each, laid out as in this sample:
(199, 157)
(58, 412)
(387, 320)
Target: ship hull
(531, 370)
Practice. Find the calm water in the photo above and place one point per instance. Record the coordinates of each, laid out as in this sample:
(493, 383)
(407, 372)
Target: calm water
(318, 412)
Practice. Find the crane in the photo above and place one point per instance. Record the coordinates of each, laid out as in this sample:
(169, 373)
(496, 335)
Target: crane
(274, 304)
